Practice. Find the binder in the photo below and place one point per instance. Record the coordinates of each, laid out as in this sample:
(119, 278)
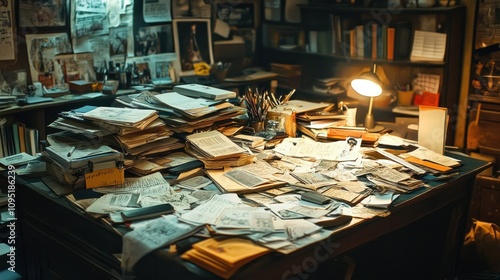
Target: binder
(403, 40)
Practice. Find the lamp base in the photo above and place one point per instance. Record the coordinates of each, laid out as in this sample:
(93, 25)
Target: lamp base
(375, 129)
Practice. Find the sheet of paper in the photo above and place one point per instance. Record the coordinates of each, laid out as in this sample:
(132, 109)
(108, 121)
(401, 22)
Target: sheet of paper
(125, 116)
(158, 233)
(432, 124)
(428, 46)
(114, 202)
(137, 184)
(208, 212)
(214, 144)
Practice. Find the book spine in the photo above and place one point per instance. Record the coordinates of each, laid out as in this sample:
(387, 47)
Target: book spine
(390, 43)
(313, 41)
(360, 42)
(375, 40)
(22, 138)
(15, 138)
(4, 147)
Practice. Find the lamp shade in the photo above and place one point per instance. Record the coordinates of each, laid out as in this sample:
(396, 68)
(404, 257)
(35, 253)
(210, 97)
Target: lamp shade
(367, 84)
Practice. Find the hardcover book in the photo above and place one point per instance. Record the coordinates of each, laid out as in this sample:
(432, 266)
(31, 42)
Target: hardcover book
(197, 90)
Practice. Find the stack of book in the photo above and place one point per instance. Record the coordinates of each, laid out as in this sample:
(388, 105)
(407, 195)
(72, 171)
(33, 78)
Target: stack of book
(316, 123)
(329, 86)
(7, 100)
(288, 74)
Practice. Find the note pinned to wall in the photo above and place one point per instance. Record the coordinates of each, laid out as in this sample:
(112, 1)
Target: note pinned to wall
(428, 46)
(432, 125)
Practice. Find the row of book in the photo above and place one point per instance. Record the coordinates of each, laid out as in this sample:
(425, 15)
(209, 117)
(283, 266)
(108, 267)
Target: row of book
(370, 40)
(16, 138)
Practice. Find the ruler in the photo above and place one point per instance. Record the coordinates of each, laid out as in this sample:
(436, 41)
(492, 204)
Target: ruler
(401, 161)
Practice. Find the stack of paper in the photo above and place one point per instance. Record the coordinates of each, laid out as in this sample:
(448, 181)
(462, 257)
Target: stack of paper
(122, 117)
(216, 150)
(77, 162)
(224, 256)
(184, 114)
(151, 140)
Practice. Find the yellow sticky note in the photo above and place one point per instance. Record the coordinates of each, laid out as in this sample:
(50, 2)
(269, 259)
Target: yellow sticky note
(105, 177)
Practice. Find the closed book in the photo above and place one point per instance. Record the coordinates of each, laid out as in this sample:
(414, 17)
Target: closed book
(22, 137)
(33, 141)
(324, 41)
(374, 40)
(313, 41)
(367, 40)
(360, 40)
(3, 137)
(390, 42)
(352, 42)
(403, 40)
(15, 137)
(383, 41)
(197, 90)
(80, 86)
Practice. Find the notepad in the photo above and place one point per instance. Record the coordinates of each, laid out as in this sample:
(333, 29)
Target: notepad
(428, 46)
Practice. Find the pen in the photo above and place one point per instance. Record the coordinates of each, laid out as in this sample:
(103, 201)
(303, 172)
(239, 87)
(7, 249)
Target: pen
(71, 151)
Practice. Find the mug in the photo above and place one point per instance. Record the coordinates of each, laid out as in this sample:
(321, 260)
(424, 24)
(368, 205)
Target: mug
(405, 97)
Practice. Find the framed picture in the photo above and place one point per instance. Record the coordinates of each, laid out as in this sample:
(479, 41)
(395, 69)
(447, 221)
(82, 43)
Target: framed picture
(150, 40)
(193, 43)
(7, 31)
(39, 13)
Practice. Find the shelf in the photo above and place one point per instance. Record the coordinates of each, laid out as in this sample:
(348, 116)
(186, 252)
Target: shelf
(332, 8)
(486, 99)
(63, 100)
(337, 57)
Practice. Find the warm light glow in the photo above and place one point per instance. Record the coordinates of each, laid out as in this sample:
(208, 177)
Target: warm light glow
(367, 85)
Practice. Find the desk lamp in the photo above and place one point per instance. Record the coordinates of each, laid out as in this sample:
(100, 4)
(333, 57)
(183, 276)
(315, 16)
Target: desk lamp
(368, 84)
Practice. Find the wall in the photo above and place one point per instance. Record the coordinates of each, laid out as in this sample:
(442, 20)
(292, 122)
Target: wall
(461, 132)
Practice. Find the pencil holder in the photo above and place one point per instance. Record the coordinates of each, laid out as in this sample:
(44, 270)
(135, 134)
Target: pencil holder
(257, 126)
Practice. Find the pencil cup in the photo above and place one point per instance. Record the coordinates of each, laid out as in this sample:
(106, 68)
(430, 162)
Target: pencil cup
(405, 97)
(257, 126)
(218, 74)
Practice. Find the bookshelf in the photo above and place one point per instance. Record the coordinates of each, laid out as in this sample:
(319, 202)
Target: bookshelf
(322, 47)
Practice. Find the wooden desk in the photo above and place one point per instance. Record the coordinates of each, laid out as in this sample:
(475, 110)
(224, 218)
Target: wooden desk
(428, 226)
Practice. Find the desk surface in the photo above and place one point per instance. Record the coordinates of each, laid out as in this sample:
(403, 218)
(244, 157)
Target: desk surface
(56, 220)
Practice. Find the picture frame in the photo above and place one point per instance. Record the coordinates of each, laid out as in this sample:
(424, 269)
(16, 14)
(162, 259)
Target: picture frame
(189, 51)
(38, 13)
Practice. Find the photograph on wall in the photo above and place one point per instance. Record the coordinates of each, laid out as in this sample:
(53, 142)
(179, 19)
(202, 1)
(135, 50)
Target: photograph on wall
(72, 67)
(239, 15)
(485, 72)
(191, 8)
(41, 13)
(193, 43)
(42, 48)
(7, 44)
(156, 11)
(150, 40)
(14, 83)
(119, 41)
